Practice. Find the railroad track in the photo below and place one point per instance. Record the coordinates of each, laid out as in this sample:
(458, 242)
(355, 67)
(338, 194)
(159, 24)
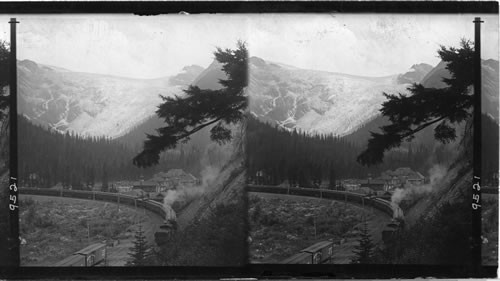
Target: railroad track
(385, 206)
(150, 205)
(308, 257)
(157, 208)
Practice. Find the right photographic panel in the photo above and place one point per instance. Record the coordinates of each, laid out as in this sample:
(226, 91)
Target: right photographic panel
(360, 138)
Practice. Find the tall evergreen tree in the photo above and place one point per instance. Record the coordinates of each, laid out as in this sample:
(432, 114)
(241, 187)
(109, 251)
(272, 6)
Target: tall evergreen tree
(364, 251)
(424, 107)
(140, 253)
(200, 108)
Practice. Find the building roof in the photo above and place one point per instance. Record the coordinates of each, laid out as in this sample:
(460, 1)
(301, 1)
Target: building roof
(372, 182)
(91, 248)
(180, 174)
(402, 172)
(173, 174)
(317, 247)
(298, 258)
(144, 183)
(73, 260)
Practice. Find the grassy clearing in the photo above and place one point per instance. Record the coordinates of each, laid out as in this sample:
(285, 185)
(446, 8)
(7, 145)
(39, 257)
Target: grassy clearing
(280, 228)
(54, 229)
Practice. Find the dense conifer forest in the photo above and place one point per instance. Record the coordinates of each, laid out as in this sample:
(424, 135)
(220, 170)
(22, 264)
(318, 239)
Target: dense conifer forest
(48, 157)
(308, 160)
(51, 157)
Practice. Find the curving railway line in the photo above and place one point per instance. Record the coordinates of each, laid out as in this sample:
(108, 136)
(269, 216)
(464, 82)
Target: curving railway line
(385, 206)
(322, 252)
(156, 207)
(150, 205)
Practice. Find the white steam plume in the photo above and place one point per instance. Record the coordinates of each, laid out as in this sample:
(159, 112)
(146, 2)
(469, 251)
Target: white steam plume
(214, 157)
(169, 199)
(436, 173)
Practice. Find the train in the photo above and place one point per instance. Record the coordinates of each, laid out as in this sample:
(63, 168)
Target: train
(156, 207)
(166, 230)
(133, 201)
(390, 231)
(392, 210)
(318, 253)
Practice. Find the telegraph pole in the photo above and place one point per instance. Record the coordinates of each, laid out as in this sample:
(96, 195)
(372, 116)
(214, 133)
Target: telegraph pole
(476, 187)
(13, 192)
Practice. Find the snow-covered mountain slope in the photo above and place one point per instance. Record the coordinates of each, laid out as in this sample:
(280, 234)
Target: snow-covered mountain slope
(92, 104)
(319, 101)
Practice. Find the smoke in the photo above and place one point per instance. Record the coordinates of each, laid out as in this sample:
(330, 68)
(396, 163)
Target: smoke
(183, 195)
(436, 173)
(208, 175)
(213, 160)
(214, 157)
(169, 199)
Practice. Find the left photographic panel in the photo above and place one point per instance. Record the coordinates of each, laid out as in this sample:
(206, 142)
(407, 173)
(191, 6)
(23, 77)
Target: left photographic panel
(130, 140)
(9, 251)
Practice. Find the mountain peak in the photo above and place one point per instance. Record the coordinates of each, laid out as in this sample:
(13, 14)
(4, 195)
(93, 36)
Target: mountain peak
(416, 74)
(209, 78)
(257, 61)
(186, 77)
(29, 64)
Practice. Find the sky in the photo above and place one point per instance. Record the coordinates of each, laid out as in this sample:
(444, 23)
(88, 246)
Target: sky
(157, 46)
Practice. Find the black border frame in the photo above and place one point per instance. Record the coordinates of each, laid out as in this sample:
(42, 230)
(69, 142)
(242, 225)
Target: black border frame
(250, 270)
(198, 7)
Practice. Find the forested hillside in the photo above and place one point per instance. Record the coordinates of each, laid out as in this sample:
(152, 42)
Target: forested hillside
(49, 157)
(305, 159)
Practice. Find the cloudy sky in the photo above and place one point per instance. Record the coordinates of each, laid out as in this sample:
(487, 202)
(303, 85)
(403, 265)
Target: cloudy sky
(151, 47)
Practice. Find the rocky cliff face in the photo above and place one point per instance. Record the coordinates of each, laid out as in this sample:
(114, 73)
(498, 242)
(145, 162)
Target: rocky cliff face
(226, 188)
(454, 186)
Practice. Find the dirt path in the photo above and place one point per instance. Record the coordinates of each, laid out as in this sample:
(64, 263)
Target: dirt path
(342, 254)
(117, 255)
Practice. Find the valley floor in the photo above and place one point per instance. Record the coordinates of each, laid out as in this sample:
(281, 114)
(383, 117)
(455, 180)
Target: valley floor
(282, 225)
(54, 228)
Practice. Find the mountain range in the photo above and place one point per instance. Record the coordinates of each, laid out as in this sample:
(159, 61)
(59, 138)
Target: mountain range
(307, 100)
(92, 104)
(318, 101)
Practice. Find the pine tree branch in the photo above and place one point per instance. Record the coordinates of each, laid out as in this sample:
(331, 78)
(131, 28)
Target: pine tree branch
(197, 128)
(421, 127)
